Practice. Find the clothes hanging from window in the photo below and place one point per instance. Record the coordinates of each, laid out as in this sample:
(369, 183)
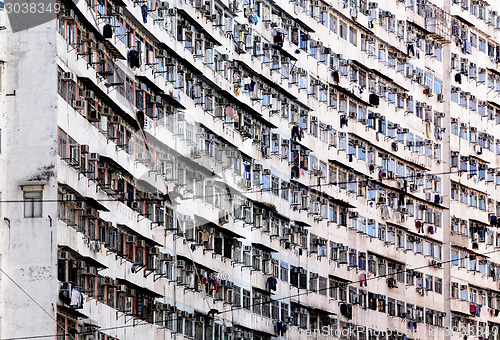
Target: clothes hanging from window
(280, 328)
(336, 76)
(493, 220)
(458, 78)
(362, 280)
(295, 173)
(279, 39)
(354, 13)
(481, 233)
(386, 213)
(205, 237)
(343, 121)
(296, 133)
(76, 299)
(197, 93)
(419, 226)
(430, 229)
(65, 293)
(252, 86)
(374, 99)
(346, 310)
(467, 47)
(356, 90)
(410, 49)
(107, 31)
(272, 283)
(253, 18)
(400, 182)
(229, 112)
(437, 199)
(134, 59)
(381, 175)
(140, 119)
(144, 11)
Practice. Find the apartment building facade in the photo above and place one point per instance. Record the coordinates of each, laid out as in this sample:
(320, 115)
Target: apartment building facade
(251, 170)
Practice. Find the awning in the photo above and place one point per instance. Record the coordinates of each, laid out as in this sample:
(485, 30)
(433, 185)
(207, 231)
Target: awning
(89, 260)
(95, 204)
(149, 83)
(108, 101)
(262, 246)
(196, 23)
(114, 51)
(135, 233)
(139, 288)
(301, 223)
(68, 311)
(200, 221)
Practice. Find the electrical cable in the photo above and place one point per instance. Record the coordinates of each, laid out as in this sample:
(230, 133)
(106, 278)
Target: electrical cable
(251, 192)
(33, 299)
(338, 284)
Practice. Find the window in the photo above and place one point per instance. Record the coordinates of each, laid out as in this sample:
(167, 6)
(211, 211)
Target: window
(33, 202)
(246, 299)
(454, 257)
(391, 307)
(322, 285)
(353, 35)
(438, 285)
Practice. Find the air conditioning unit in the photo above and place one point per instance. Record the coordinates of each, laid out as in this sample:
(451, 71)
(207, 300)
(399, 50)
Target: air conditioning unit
(162, 54)
(115, 119)
(91, 212)
(79, 205)
(94, 156)
(90, 271)
(84, 148)
(78, 104)
(154, 251)
(353, 214)
(131, 239)
(64, 255)
(67, 14)
(80, 264)
(94, 116)
(87, 36)
(97, 45)
(69, 198)
(68, 76)
(89, 94)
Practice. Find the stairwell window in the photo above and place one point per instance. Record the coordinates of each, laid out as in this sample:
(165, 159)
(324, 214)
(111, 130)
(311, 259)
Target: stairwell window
(32, 201)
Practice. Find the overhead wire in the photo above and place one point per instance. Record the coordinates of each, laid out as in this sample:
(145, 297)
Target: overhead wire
(416, 175)
(32, 299)
(423, 175)
(337, 285)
